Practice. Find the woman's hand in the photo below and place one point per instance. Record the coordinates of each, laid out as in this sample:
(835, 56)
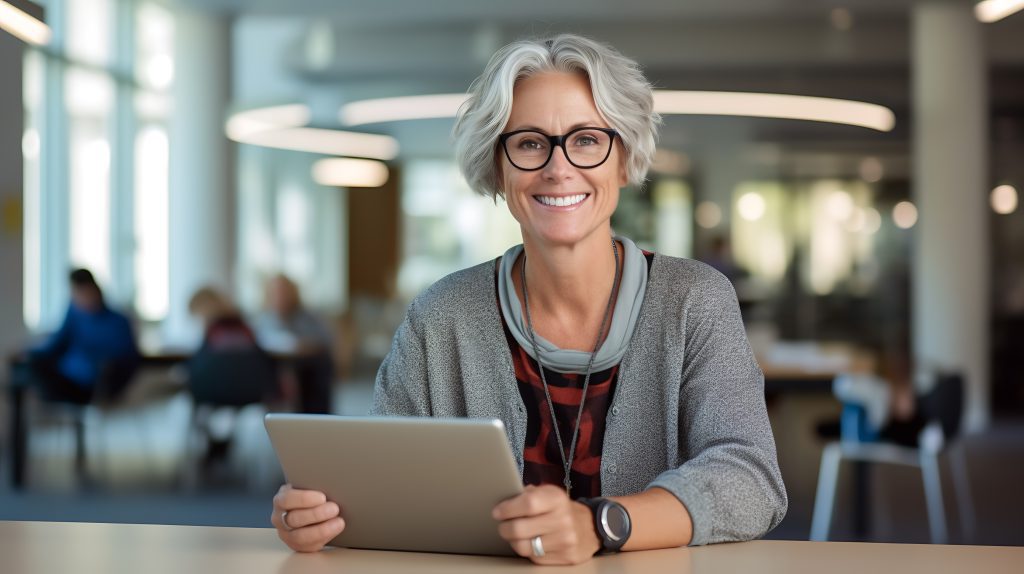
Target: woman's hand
(566, 528)
(311, 521)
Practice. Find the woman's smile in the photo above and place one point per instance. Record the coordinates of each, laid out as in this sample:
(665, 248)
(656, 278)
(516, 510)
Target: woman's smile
(562, 202)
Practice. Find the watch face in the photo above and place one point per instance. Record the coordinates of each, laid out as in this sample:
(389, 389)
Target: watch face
(615, 521)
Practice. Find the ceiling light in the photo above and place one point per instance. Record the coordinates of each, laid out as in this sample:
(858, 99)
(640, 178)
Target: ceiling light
(349, 172)
(781, 106)
(24, 20)
(241, 125)
(665, 102)
(751, 206)
(990, 11)
(904, 215)
(282, 127)
(404, 108)
(1004, 199)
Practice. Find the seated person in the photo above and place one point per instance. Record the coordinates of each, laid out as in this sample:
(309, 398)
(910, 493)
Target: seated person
(287, 326)
(624, 378)
(229, 369)
(93, 353)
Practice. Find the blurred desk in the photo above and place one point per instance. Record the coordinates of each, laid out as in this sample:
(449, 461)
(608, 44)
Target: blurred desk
(37, 547)
(809, 366)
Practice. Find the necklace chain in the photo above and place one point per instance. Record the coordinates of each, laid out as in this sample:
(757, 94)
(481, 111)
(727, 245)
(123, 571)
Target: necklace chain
(567, 462)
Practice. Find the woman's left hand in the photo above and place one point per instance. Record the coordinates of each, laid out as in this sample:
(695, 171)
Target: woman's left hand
(565, 528)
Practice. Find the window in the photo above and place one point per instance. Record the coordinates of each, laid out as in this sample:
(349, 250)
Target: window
(96, 156)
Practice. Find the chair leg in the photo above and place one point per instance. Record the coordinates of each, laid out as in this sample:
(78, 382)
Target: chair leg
(933, 497)
(824, 500)
(958, 462)
(80, 460)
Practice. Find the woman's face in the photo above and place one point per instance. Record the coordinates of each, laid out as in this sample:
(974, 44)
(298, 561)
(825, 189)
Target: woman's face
(555, 103)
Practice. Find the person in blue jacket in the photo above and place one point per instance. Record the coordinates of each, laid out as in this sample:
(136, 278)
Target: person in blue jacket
(92, 355)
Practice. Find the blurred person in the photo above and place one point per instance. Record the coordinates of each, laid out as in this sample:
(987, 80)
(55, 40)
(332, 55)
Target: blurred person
(92, 356)
(285, 325)
(213, 370)
(624, 377)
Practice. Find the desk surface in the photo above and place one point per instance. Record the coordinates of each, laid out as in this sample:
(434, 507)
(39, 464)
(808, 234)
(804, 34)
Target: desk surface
(38, 547)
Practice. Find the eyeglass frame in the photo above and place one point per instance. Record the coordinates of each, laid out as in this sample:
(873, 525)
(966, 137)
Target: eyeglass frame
(558, 141)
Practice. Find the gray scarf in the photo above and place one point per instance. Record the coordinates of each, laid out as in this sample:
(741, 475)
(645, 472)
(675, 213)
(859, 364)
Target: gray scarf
(627, 311)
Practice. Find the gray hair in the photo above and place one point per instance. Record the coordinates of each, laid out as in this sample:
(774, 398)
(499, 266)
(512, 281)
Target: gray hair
(621, 93)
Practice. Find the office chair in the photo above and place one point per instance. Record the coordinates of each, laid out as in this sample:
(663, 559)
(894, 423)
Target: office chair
(234, 379)
(941, 409)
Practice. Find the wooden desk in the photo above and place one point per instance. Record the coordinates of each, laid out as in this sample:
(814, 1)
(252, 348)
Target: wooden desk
(42, 547)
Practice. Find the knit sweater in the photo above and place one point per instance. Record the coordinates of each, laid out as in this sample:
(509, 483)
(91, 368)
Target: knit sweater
(688, 414)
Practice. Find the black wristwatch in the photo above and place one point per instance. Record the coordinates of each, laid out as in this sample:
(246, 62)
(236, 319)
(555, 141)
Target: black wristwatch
(611, 521)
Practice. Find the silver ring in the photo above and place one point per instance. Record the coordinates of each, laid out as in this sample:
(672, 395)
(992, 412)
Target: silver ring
(284, 521)
(538, 547)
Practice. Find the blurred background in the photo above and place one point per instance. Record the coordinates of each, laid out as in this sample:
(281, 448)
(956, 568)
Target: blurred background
(259, 188)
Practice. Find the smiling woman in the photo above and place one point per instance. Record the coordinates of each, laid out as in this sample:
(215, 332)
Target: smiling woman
(633, 403)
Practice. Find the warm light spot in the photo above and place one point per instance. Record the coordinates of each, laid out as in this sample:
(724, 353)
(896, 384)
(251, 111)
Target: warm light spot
(904, 215)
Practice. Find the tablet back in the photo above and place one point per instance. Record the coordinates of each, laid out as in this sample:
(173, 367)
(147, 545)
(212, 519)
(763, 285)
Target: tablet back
(419, 484)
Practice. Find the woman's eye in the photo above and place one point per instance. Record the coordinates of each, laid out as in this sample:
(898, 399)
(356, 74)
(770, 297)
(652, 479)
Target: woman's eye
(530, 145)
(586, 140)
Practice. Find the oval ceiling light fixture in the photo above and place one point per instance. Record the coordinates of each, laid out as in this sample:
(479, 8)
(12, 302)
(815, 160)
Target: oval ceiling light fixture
(283, 127)
(990, 11)
(781, 106)
(402, 108)
(242, 125)
(24, 20)
(350, 172)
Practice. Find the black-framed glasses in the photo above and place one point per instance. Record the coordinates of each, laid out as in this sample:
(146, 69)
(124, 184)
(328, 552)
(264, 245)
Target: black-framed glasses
(585, 148)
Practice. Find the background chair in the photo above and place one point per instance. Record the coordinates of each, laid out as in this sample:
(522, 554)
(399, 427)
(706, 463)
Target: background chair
(939, 413)
(223, 379)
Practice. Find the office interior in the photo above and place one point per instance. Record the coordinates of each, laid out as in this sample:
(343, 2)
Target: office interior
(172, 145)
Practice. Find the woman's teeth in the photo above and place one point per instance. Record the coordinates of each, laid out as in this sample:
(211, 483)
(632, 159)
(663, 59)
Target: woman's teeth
(561, 201)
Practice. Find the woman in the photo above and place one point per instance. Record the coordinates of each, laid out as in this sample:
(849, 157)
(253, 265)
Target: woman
(646, 367)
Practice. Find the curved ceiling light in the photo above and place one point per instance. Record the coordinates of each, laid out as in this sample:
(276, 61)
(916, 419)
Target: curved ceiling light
(404, 108)
(282, 127)
(782, 106)
(24, 20)
(666, 102)
(349, 172)
(990, 11)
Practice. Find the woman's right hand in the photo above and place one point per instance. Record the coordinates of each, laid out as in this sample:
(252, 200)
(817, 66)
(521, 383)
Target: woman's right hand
(312, 521)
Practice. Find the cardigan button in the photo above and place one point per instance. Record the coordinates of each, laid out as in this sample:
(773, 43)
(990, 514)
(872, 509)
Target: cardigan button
(612, 468)
(615, 410)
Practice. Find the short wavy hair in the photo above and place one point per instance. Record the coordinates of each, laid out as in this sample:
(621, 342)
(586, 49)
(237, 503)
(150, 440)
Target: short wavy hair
(621, 93)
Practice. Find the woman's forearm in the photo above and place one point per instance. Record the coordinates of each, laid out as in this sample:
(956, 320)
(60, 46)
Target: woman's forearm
(659, 520)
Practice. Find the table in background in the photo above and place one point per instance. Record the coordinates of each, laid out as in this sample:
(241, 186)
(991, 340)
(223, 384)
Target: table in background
(41, 547)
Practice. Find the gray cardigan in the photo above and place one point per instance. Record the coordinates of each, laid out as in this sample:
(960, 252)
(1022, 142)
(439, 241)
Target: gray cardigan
(688, 413)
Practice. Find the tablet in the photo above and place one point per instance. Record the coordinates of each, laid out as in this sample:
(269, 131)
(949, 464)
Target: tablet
(419, 484)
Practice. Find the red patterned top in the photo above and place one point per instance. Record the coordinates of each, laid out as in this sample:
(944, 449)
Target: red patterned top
(542, 463)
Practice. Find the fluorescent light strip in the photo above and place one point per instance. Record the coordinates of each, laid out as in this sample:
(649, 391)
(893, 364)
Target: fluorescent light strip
(282, 127)
(23, 25)
(404, 108)
(667, 102)
(990, 11)
(349, 172)
(781, 106)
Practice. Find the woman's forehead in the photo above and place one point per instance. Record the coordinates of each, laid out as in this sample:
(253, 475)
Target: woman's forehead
(553, 97)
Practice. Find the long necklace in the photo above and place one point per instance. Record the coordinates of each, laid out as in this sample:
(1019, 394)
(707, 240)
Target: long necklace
(567, 462)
